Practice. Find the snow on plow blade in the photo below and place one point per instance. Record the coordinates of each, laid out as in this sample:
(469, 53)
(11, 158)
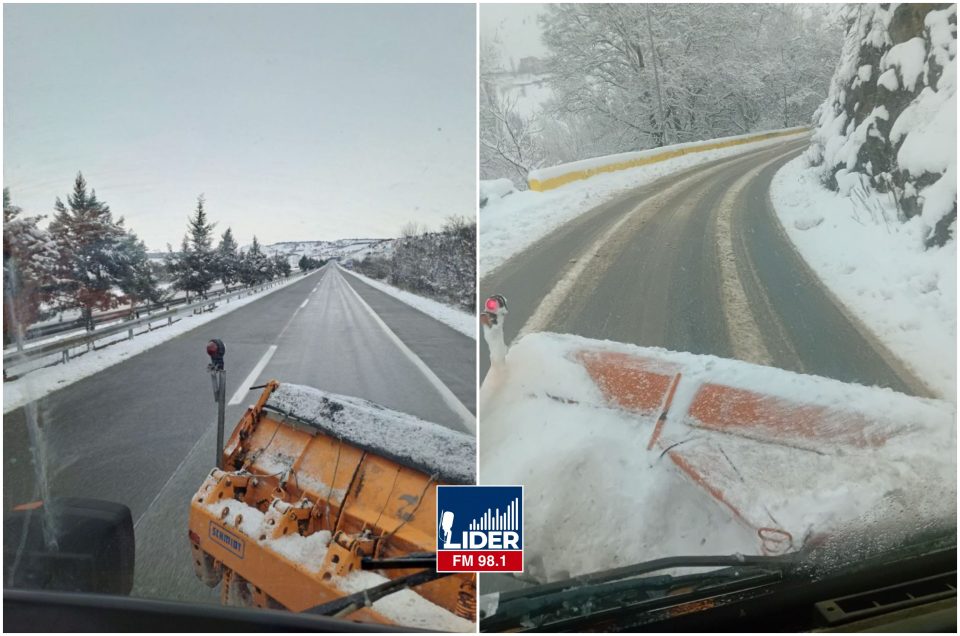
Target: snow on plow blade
(314, 482)
(726, 456)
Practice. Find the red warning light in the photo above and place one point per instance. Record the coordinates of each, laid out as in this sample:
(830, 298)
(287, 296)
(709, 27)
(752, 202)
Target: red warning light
(492, 304)
(212, 348)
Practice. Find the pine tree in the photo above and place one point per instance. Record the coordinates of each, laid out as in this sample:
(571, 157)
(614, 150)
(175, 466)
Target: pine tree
(281, 266)
(228, 260)
(256, 266)
(177, 264)
(29, 269)
(200, 259)
(138, 280)
(88, 240)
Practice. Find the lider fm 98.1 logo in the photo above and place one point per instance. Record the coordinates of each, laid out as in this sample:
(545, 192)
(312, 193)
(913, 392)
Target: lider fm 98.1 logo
(479, 528)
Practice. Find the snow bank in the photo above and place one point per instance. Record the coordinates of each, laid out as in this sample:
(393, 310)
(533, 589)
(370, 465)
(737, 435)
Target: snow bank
(43, 381)
(511, 224)
(425, 446)
(494, 190)
(878, 268)
(591, 482)
(451, 316)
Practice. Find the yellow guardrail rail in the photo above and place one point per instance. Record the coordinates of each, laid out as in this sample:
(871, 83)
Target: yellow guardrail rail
(631, 160)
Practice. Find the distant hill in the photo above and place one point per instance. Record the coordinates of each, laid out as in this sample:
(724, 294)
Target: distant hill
(343, 249)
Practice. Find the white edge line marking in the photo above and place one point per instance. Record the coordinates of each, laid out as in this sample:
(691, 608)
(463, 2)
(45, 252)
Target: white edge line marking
(304, 303)
(254, 374)
(468, 419)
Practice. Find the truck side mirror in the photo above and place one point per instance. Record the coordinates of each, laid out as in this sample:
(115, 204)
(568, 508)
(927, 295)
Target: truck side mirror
(69, 545)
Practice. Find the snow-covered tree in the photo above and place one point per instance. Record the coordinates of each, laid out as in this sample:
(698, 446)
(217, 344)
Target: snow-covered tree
(228, 259)
(200, 259)
(256, 267)
(306, 263)
(176, 265)
(438, 264)
(509, 141)
(626, 77)
(92, 262)
(138, 280)
(29, 268)
(195, 267)
(661, 74)
(281, 266)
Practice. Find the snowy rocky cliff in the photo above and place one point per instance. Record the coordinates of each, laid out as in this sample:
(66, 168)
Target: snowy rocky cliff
(888, 128)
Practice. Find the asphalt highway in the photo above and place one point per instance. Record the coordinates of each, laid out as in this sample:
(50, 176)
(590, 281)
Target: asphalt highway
(143, 432)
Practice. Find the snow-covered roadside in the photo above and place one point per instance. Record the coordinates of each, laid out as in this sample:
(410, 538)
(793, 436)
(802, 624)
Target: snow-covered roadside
(906, 295)
(450, 316)
(510, 224)
(41, 382)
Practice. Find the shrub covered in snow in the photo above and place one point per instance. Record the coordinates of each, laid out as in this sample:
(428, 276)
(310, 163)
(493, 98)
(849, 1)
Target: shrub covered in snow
(889, 124)
(440, 265)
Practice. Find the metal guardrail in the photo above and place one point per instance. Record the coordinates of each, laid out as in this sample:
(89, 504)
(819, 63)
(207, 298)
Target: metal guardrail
(75, 324)
(33, 352)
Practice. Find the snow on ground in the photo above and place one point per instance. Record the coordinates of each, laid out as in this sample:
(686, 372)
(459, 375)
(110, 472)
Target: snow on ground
(451, 316)
(38, 383)
(869, 459)
(878, 268)
(494, 190)
(511, 224)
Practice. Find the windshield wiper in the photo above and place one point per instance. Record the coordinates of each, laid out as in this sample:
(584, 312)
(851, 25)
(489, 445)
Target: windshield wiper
(614, 588)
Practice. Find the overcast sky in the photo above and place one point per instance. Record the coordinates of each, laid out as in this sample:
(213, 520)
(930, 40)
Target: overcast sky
(515, 28)
(295, 121)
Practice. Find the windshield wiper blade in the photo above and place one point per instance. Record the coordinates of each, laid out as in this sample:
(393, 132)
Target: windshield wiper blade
(583, 595)
(654, 565)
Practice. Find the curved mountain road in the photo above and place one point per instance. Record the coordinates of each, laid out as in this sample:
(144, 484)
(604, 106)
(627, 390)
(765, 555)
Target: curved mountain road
(694, 262)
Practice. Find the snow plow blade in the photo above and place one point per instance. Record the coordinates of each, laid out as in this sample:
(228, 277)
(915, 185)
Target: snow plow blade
(789, 459)
(319, 492)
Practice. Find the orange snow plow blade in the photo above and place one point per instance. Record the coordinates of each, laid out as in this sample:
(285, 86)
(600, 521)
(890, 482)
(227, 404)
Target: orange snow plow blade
(750, 424)
(319, 488)
(631, 382)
